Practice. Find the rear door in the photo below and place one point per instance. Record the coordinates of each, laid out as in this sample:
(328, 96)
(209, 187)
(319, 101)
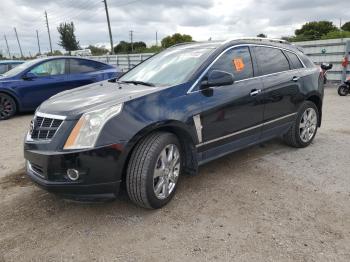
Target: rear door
(83, 72)
(232, 114)
(281, 85)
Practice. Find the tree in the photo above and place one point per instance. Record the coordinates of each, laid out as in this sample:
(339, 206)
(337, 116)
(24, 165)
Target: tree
(314, 30)
(97, 50)
(55, 53)
(67, 37)
(125, 47)
(262, 35)
(336, 35)
(175, 39)
(346, 26)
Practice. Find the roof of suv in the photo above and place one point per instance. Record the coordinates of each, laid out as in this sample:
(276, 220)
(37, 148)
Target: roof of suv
(237, 41)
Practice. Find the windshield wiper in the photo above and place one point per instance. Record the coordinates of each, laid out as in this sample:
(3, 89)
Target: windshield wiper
(138, 83)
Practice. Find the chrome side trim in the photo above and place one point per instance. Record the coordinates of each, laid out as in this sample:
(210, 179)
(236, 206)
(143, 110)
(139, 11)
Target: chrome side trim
(50, 116)
(243, 45)
(244, 130)
(198, 124)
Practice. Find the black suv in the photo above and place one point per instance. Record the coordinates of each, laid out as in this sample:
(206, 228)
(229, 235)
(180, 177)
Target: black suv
(183, 107)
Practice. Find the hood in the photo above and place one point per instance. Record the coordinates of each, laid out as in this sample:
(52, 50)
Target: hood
(74, 103)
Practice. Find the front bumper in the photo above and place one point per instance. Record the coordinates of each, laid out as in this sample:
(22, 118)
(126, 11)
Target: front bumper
(100, 172)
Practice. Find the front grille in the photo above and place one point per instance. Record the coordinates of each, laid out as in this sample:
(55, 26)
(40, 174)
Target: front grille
(45, 128)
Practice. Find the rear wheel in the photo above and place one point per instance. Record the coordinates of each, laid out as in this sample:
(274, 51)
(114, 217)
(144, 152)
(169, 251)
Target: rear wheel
(343, 90)
(304, 129)
(7, 106)
(153, 170)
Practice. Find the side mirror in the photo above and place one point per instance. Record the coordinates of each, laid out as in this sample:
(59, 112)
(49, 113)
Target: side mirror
(325, 66)
(218, 78)
(29, 76)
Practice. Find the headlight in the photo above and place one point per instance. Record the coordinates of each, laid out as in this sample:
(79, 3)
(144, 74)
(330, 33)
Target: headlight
(89, 126)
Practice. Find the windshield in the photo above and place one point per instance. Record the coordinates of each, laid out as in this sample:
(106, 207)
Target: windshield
(18, 69)
(170, 67)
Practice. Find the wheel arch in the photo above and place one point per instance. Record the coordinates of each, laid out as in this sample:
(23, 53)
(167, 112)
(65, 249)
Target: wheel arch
(14, 97)
(186, 138)
(317, 100)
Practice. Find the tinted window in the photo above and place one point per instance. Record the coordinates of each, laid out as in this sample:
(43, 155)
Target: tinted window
(271, 60)
(236, 61)
(84, 66)
(296, 64)
(50, 68)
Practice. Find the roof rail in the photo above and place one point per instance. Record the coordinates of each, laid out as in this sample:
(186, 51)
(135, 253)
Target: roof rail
(262, 39)
(180, 44)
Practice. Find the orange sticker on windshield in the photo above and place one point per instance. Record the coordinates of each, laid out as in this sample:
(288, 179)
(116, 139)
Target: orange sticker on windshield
(239, 64)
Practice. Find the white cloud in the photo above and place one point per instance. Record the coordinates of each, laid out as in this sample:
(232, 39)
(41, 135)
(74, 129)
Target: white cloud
(219, 19)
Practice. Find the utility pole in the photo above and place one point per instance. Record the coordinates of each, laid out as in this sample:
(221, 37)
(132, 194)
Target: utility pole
(19, 44)
(131, 41)
(37, 37)
(7, 45)
(109, 27)
(156, 38)
(48, 31)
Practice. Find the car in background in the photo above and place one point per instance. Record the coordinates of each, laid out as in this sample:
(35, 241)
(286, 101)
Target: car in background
(7, 65)
(25, 87)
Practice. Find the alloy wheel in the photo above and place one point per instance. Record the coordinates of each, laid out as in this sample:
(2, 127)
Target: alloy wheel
(308, 125)
(166, 172)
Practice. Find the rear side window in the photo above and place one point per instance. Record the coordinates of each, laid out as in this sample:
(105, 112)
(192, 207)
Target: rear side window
(84, 66)
(295, 62)
(236, 61)
(271, 60)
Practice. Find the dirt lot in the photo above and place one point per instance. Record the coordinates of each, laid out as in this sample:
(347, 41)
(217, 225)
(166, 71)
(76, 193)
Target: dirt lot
(266, 203)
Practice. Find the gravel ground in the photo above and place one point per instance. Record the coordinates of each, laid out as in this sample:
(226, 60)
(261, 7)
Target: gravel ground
(265, 203)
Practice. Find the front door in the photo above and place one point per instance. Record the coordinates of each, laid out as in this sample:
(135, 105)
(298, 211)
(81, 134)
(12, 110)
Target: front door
(50, 79)
(232, 115)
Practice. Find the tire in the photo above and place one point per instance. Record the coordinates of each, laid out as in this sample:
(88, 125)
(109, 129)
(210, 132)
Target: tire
(8, 107)
(151, 179)
(304, 128)
(343, 90)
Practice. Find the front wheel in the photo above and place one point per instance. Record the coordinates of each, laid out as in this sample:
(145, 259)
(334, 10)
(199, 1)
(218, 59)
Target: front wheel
(343, 90)
(7, 106)
(153, 170)
(305, 126)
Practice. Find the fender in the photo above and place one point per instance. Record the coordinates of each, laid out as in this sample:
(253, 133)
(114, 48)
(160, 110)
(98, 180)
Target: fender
(188, 140)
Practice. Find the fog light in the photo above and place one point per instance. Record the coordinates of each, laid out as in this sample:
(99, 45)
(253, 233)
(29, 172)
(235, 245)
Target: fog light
(73, 174)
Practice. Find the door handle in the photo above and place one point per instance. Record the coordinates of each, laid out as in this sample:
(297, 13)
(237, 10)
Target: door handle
(295, 78)
(255, 92)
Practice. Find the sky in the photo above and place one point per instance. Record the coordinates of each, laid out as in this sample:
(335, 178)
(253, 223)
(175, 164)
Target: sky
(203, 19)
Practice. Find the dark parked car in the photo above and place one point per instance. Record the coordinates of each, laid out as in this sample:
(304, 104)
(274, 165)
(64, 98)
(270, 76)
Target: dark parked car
(183, 107)
(26, 86)
(7, 65)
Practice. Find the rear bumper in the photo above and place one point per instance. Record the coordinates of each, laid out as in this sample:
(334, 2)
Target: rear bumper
(98, 168)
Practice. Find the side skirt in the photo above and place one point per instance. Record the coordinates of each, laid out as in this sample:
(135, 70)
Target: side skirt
(236, 145)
